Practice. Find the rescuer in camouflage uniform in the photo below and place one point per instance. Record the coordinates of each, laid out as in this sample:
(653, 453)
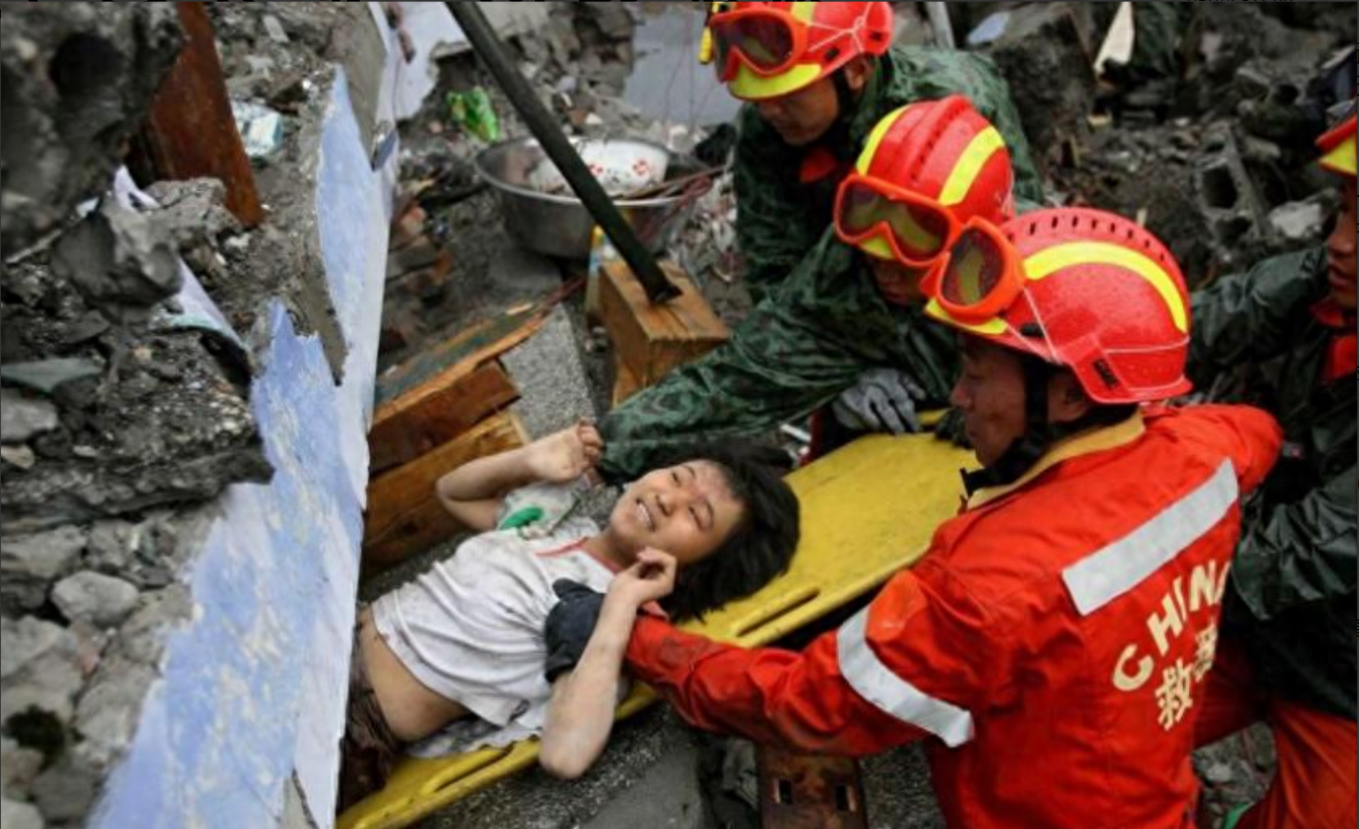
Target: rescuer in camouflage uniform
(831, 325)
(852, 305)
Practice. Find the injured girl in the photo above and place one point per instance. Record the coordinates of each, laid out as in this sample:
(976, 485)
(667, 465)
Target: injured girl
(465, 639)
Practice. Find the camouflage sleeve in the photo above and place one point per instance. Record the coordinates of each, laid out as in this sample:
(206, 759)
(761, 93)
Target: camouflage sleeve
(936, 73)
(773, 226)
(781, 362)
(1246, 317)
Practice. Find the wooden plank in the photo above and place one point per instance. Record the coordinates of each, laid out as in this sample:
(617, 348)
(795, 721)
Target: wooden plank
(652, 339)
(625, 383)
(190, 131)
(404, 514)
(409, 429)
(438, 367)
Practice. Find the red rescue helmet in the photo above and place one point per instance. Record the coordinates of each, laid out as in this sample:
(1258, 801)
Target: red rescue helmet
(1080, 288)
(767, 50)
(926, 170)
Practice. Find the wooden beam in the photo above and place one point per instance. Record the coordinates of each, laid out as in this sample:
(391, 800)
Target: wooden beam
(414, 425)
(439, 367)
(404, 514)
(652, 339)
(625, 383)
(190, 131)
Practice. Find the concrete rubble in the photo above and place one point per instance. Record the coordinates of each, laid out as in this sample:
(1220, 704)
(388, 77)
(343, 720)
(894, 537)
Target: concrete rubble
(125, 407)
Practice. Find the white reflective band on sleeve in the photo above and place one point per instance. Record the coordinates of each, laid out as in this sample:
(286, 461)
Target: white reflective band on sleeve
(876, 683)
(1108, 573)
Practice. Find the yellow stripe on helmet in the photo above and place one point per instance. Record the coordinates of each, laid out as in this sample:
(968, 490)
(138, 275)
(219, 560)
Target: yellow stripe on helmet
(803, 11)
(750, 86)
(1057, 257)
(993, 327)
(979, 151)
(875, 138)
(1341, 158)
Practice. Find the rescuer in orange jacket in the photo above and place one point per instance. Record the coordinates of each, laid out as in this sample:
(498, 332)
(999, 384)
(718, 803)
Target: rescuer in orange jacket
(1051, 645)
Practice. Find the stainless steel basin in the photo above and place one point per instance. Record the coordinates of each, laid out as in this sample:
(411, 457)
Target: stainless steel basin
(558, 224)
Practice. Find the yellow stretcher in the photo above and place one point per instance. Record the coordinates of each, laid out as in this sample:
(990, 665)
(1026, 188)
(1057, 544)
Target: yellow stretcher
(867, 511)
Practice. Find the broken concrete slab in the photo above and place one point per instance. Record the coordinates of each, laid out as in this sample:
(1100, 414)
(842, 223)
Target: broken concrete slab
(23, 417)
(120, 260)
(78, 78)
(145, 441)
(100, 600)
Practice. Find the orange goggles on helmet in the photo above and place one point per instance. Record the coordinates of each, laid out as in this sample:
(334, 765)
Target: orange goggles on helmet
(768, 41)
(917, 228)
(982, 278)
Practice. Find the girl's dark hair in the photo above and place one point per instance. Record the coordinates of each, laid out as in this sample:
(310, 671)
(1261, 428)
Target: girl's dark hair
(759, 548)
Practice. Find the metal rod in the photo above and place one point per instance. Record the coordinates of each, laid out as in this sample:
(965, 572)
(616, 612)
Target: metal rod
(943, 29)
(541, 123)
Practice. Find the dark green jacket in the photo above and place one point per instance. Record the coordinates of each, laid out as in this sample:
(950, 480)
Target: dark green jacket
(1293, 597)
(779, 219)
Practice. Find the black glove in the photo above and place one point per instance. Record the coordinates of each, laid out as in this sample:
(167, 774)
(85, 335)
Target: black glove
(569, 625)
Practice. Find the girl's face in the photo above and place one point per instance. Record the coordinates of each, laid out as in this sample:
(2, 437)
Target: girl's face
(687, 510)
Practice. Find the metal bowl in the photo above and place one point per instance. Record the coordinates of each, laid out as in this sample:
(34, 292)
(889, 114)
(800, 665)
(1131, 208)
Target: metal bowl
(559, 225)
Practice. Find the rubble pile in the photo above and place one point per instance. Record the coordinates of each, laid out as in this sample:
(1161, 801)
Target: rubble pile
(124, 395)
(1205, 136)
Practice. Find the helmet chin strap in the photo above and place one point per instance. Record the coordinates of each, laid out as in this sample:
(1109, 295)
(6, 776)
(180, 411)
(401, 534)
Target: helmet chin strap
(846, 100)
(1025, 450)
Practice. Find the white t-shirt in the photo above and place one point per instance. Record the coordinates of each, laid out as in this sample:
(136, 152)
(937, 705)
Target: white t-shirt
(471, 627)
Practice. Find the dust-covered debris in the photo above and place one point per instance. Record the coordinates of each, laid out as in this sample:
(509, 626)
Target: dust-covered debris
(77, 80)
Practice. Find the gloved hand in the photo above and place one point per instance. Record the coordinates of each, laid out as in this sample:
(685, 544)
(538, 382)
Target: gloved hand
(569, 625)
(882, 401)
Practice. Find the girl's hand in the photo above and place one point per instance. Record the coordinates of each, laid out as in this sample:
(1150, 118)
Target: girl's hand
(563, 456)
(651, 577)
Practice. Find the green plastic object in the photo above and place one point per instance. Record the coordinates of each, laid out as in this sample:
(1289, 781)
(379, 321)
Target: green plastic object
(472, 110)
(1234, 816)
(522, 518)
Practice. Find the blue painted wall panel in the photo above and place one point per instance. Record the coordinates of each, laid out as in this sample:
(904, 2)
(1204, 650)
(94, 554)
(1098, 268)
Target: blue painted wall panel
(254, 685)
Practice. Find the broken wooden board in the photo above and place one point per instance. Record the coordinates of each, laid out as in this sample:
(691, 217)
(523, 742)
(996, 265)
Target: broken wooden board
(653, 339)
(190, 131)
(408, 430)
(404, 514)
(435, 368)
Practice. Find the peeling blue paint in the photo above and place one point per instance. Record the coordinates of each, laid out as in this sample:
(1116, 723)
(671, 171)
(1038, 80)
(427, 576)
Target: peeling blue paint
(253, 688)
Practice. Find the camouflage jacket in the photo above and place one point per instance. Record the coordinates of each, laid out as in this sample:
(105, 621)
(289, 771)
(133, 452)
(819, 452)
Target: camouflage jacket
(1293, 578)
(779, 219)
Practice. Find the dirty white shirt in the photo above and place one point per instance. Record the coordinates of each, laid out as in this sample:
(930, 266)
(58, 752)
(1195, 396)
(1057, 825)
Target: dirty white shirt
(471, 627)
